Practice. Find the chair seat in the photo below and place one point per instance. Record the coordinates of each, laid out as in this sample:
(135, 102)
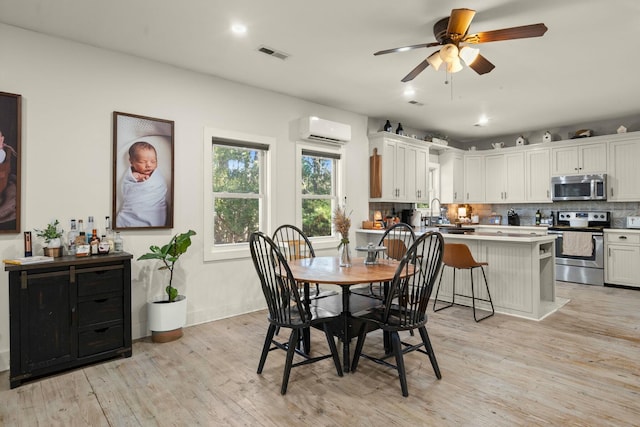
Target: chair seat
(394, 322)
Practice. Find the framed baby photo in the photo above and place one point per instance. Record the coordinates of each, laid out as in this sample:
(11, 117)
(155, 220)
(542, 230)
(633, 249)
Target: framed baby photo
(142, 172)
(10, 135)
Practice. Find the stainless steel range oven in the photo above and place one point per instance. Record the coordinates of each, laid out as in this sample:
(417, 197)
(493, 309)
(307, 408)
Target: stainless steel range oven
(580, 249)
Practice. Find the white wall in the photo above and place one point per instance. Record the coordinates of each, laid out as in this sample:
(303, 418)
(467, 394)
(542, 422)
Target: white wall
(69, 92)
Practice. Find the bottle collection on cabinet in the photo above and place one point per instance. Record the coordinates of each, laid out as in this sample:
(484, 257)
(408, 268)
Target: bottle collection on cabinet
(91, 242)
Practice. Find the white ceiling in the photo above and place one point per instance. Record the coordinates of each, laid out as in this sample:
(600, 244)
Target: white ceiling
(582, 69)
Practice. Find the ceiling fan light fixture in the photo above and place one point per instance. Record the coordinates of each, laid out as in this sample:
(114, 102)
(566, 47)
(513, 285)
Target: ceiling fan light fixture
(449, 52)
(454, 66)
(469, 54)
(435, 60)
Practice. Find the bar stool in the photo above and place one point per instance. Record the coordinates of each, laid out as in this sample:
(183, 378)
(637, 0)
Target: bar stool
(458, 256)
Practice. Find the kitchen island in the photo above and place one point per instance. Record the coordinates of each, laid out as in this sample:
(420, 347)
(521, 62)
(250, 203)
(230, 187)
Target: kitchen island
(521, 270)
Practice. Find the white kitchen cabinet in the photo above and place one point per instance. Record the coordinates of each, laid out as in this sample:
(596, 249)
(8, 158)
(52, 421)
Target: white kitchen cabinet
(404, 169)
(538, 175)
(624, 174)
(422, 175)
(579, 159)
(504, 178)
(474, 178)
(623, 258)
(451, 177)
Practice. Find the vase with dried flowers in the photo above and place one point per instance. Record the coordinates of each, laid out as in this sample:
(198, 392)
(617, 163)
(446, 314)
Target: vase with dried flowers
(342, 223)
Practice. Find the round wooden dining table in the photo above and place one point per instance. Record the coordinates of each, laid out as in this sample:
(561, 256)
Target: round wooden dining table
(327, 270)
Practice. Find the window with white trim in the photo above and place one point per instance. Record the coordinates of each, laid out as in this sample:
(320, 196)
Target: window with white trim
(236, 188)
(319, 189)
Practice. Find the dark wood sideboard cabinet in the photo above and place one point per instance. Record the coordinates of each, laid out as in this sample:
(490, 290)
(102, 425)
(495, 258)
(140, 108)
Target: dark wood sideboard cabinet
(67, 313)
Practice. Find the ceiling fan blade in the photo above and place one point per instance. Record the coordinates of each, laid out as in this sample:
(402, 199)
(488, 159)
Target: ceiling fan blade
(459, 21)
(523, 32)
(414, 73)
(481, 65)
(405, 48)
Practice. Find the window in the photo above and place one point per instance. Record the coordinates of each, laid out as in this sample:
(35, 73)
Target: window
(319, 191)
(236, 202)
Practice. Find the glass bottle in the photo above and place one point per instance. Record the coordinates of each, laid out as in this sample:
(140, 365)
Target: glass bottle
(538, 217)
(95, 241)
(108, 232)
(103, 246)
(90, 227)
(399, 129)
(387, 127)
(82, 238)
(72, 235)
(118, 243)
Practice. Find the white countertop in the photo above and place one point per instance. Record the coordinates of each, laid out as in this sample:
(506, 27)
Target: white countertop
(525, 236)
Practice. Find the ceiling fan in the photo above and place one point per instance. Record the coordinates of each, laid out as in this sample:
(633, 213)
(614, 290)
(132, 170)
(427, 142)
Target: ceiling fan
(451, 34)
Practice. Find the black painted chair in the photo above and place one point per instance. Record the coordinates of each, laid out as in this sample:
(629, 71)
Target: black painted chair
(405, 307)
(287, 309)
(397, 239)
(294, 244)
(459, 257)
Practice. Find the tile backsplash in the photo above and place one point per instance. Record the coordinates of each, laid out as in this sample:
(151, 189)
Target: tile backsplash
(527, 211)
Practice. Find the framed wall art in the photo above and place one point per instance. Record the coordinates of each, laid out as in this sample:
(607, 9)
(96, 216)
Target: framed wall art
(10, 140)
(142, 172)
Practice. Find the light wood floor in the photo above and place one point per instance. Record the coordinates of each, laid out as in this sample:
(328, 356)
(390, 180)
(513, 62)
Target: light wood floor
(579, 366)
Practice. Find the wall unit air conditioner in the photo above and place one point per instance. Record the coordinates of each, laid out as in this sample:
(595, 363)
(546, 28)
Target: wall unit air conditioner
(316, 129)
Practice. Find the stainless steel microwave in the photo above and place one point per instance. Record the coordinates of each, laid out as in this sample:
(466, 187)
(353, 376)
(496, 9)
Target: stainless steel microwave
(579, 187)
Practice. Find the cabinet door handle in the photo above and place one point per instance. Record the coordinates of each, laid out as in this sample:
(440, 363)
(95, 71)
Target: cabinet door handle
(611, 191)
(547, 194)
(455, 195)
(621, 238)
(609, 252)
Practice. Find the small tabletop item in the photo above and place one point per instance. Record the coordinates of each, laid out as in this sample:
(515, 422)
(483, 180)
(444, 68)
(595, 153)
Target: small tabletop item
(371, 252)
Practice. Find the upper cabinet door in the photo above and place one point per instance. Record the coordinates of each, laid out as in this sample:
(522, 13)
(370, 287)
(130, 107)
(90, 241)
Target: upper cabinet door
(538, 175)
(451, 177)
(474, 179)
(624, 179)
(494, 190)
(514, 175)
(422, 175)
(579, 159)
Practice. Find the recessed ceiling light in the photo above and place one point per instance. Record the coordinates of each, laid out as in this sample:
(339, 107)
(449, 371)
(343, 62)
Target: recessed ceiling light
(239, 28)
(409, 91)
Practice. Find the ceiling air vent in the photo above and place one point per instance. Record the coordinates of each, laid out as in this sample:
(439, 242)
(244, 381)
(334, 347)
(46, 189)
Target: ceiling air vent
(272, 52)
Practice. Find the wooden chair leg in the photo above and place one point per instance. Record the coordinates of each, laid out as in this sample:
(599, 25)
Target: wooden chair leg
(397, 351)
(333, 348)
(429, 349)
(291, 349)
(267, 345)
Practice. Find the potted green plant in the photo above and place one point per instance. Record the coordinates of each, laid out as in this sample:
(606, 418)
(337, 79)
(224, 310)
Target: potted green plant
(166, 317)
(51, 235)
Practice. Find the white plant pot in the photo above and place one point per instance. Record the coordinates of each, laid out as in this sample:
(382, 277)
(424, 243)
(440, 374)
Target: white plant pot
(54, 243)
(166, 316)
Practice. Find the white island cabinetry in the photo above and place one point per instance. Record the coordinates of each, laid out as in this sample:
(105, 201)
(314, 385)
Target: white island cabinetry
(521, 271)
